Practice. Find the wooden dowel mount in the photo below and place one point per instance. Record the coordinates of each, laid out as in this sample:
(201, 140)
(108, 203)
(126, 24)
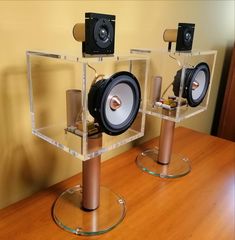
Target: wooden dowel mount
(79, 32)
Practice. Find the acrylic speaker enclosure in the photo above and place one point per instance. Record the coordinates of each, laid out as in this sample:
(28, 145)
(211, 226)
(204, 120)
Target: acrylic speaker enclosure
(59, 86)
(172, 68)
(52, 75)
(178, 88)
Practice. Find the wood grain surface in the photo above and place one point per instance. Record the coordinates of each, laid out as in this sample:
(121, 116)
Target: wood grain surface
(198, 206)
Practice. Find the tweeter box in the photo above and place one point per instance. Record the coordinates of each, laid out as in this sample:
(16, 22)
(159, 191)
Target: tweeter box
(78, 101)
(99, 34)
(183, 37)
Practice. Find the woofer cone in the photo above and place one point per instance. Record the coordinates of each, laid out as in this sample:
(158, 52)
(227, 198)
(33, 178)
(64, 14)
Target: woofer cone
(196, 84)
(114, 102)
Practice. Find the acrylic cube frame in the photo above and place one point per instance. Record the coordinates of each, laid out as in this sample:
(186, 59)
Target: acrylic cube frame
(165, 64)
(40, 64)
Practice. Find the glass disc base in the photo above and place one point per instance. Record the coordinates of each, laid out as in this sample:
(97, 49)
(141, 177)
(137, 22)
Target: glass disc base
(178, 166)
(69, 215)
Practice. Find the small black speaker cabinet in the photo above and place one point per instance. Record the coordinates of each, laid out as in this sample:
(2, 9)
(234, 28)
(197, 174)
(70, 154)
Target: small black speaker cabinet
(99, 34)
(185, 34)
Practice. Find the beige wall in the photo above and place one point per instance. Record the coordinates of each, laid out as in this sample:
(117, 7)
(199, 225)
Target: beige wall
(28, 164)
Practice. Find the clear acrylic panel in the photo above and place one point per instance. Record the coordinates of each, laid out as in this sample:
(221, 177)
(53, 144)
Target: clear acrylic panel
(59, 85)
(169, 73)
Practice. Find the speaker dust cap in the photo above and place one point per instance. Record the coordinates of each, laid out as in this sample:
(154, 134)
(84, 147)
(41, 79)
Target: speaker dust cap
(196, 83)
(114, 102)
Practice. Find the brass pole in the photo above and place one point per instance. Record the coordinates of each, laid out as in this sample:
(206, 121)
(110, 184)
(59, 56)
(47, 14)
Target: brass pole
(91, 176)
(166, 140)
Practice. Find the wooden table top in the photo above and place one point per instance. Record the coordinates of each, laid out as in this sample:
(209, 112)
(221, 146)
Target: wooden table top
(198, 206)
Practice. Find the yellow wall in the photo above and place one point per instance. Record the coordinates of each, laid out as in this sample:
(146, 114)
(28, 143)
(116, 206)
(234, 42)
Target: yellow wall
(28, 164)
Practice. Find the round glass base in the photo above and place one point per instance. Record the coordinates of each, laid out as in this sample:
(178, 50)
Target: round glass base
(69, 214)
(178, 166)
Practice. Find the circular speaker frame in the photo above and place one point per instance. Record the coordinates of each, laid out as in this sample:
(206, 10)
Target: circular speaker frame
(103, 33)
(196, 83)
(114, 102)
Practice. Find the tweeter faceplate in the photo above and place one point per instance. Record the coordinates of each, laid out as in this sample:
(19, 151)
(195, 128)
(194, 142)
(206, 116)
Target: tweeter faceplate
(99, 34)
(185, 35)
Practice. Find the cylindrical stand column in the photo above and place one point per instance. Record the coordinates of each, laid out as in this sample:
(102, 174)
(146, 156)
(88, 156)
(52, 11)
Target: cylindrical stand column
(165, 142)
(91, 176)
(82, 209)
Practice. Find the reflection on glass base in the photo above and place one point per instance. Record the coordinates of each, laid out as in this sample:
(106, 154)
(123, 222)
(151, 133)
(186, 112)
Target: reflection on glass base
(178, 166)
(70, 216)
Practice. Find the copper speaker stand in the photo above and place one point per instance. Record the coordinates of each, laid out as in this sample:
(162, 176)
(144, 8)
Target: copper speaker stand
(89, 209)
(161, 161)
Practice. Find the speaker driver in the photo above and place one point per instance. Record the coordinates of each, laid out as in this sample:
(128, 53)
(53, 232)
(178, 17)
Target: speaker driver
(114, 102)
(185, 36)
(103, 33)
(196, 83)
